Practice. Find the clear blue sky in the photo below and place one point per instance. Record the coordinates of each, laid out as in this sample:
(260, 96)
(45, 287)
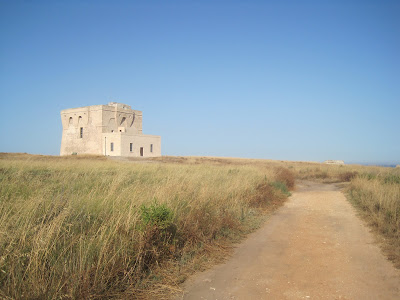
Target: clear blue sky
(291, 80)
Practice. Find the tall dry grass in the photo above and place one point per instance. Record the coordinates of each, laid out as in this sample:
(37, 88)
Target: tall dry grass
(377, 196)
(91, 228)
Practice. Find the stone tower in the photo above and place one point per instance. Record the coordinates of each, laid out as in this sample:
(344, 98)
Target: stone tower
(114, 129)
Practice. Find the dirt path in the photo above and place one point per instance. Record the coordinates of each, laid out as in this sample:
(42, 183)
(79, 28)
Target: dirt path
(314, 247)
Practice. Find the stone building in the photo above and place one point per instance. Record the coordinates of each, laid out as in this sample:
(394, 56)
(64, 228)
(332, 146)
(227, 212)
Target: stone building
(114, 129)
(334, 162)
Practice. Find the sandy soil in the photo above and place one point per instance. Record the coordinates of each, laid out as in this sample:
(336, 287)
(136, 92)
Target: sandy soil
(314, 247)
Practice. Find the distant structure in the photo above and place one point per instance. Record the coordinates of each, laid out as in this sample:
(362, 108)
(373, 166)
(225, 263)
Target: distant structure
(114, 129)
(334, 162)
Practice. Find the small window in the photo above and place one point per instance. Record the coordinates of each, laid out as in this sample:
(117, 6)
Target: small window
(130, 147)
(151, 148)
(112, 147)
(70, 122)
(81, 132)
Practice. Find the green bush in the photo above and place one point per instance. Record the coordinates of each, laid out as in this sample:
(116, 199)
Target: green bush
(158, 235)
(279, 185)
(155, 214)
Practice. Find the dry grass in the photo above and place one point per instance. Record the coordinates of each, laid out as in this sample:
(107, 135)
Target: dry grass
(286, 176)
(90, 228)
(377, 196)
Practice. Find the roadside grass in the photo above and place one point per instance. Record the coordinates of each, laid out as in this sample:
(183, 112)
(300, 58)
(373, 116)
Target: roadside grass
(90, 228)
(377, 197)
(332, 173)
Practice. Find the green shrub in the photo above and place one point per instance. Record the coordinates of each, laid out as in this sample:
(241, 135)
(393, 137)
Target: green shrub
(281, 186)
(158, 235)
(155, 214)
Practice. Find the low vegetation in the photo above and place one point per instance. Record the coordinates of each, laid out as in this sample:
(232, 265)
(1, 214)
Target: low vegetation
(88, 227)
(377, 196)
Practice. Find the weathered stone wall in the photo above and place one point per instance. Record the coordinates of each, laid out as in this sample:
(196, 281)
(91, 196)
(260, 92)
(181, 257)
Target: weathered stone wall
(87, 118)
(107, 139)
(141, 141)
(117, 118)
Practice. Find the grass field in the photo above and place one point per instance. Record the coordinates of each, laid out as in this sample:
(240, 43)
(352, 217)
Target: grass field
(91, 227)
(87, 227)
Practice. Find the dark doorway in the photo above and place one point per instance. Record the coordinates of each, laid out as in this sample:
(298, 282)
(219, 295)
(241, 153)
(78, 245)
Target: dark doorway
(141, 151)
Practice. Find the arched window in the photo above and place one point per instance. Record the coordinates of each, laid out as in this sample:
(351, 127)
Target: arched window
(80, 120)
(70, 122)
